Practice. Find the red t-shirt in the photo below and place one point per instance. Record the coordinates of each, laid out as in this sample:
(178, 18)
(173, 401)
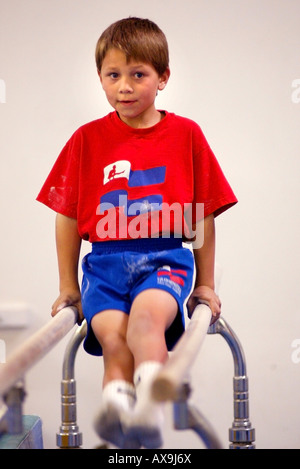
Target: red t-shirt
(120, 182)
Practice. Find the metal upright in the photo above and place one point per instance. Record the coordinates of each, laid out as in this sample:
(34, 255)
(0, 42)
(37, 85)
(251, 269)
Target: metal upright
(241, 434)
(69, 435)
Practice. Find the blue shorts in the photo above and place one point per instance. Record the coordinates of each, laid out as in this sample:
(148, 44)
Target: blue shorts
(115, 272)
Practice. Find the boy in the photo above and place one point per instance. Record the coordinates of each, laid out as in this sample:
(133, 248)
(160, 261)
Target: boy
(131, 183)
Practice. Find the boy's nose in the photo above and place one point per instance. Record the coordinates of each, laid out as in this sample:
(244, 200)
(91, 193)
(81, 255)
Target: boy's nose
(125, 86)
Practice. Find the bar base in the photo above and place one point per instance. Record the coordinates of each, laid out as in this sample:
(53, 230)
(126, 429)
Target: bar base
(30, 438)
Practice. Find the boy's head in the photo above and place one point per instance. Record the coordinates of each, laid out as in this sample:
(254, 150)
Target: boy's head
(139, 39)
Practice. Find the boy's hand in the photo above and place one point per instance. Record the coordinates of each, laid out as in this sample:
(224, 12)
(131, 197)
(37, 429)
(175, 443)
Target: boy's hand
(207, 295)
(68, 298)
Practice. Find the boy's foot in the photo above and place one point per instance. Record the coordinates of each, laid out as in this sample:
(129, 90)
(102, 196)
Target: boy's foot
(149, 437)
(110, 426)
(148, 416)
(146, 425)
(118, 399)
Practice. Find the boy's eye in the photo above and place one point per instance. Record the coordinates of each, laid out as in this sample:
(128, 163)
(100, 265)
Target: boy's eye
(113, 75)
(138, 75)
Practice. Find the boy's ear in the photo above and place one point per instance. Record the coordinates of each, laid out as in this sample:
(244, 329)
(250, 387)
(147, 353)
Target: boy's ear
(164, 78)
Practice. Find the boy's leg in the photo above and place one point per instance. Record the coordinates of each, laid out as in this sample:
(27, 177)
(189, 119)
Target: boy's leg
(118, 396)
(110, 329)
(152, 312)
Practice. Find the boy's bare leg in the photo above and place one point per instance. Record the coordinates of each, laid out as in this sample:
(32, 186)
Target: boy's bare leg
(152, 313)
(134, 349)
(118, 395)
(110, 329)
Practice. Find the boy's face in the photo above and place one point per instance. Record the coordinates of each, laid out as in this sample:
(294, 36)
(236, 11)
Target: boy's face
(131, 88)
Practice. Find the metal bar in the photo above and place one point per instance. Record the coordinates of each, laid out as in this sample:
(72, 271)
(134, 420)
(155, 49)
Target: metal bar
(222, 327)
(168, 383)
(69, 435)
(241, 434)
(14, 399)
(35, 348)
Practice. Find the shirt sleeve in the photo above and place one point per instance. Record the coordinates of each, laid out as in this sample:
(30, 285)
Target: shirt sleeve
(211, 187)
(60, 190)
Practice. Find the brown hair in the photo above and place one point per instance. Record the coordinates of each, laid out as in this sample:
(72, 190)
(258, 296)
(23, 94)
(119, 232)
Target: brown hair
(140, 39)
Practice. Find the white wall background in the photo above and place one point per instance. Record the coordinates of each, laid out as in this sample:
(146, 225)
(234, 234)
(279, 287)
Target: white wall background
(235, 66)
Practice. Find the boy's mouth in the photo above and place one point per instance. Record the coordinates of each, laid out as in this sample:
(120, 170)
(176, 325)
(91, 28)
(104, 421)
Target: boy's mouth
(127, 102)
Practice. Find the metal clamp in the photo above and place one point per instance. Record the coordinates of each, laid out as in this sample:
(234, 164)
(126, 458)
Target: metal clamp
(187, 417)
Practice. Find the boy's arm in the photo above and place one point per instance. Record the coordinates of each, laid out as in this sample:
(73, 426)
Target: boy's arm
(68, 244)
(205, 268)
